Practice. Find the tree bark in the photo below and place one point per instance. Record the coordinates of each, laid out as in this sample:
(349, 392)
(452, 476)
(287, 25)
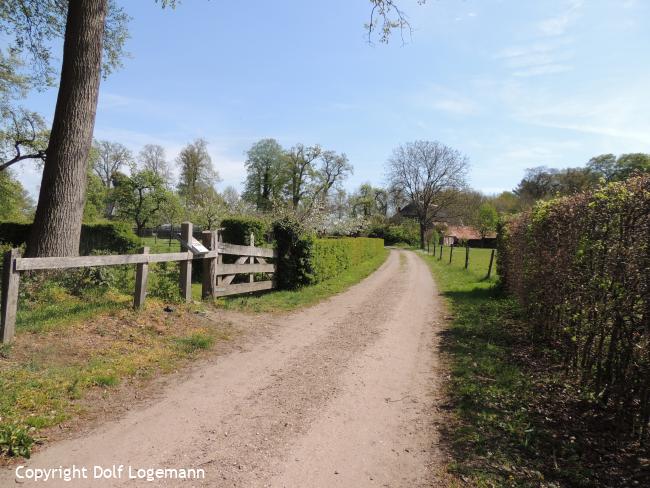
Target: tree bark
(57, 224)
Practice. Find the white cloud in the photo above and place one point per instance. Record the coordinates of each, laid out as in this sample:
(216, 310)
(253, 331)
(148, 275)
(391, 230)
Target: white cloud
(558, 25)
(616, 111)
(443, 99)
(539, 58)
(543, 69)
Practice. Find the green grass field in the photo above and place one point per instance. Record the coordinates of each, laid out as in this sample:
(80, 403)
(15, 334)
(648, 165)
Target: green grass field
(479, 261)
(158, 246)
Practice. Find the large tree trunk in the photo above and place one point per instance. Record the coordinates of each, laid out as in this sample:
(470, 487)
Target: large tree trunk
(57, 224)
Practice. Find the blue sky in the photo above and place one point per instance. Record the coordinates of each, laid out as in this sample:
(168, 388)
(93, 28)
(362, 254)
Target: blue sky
(512, 84)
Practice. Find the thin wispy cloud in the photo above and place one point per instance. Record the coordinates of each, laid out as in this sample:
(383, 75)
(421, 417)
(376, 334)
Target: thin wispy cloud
(619, 112)
(550, 52)
(559, 24)
(443, 99)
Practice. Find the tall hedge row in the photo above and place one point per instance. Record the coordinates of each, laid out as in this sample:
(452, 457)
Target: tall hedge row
(304, 259)
(331, 257)
(580, 266)
(115, 237)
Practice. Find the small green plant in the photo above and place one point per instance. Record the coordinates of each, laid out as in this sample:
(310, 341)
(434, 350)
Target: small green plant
(194, 343)
(164, 282)
(15, 441)
(105, 380)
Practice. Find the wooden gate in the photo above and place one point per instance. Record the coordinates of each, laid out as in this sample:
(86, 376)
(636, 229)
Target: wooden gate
(251, 261)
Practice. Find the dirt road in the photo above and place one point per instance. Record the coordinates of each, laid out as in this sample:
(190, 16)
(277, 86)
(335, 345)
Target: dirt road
(340, 394)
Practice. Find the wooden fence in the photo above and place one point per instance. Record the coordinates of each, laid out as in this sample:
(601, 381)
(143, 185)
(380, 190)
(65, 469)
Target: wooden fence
(217, 277)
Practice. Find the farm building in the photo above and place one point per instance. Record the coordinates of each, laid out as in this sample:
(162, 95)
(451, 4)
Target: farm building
(457, 235)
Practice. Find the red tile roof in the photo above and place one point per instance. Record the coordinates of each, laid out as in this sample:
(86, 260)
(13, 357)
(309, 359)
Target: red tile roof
(465, 233)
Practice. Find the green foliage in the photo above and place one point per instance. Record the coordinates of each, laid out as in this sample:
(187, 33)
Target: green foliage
(114, 237)
(139, 197)
(208, 207)
(96, 195)
(406, 232)
(237, 230)
(579, 266)
(81, 282)
(293, 246)
(331, 257)
(163, 282)
(266, 174)
(15, 441)
(15, 203)
(369, 201)
(305, 260)
(611, 168)
(31, 29)
(197, 171)
(486, 220)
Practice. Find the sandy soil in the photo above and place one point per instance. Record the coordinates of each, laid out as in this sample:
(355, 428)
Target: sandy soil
(344, 393)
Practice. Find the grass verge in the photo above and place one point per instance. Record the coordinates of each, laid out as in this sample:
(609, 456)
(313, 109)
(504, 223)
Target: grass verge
(308, 295)
(518, 419)
(68, 355)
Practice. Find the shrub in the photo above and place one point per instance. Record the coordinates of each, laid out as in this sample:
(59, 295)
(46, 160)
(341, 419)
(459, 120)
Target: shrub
(293, 246)
(163, 282)
(580, 266)
(237, 230)
(113, 237)
(407, 232)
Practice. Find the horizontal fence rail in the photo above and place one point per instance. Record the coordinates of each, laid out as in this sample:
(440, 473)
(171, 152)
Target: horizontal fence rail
(217, 276)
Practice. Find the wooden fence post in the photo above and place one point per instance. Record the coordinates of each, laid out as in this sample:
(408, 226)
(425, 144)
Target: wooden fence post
(489, 273)
(451, 252)
(141, 274)
(251, 277)
(219, 255)
(209, 265)
(467, 256)
(10, 283)
(186, 266)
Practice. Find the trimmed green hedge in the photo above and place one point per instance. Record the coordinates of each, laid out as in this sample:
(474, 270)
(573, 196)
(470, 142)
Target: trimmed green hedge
(114, 237)
(237, 230)
(331, 257)
(304, 259)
